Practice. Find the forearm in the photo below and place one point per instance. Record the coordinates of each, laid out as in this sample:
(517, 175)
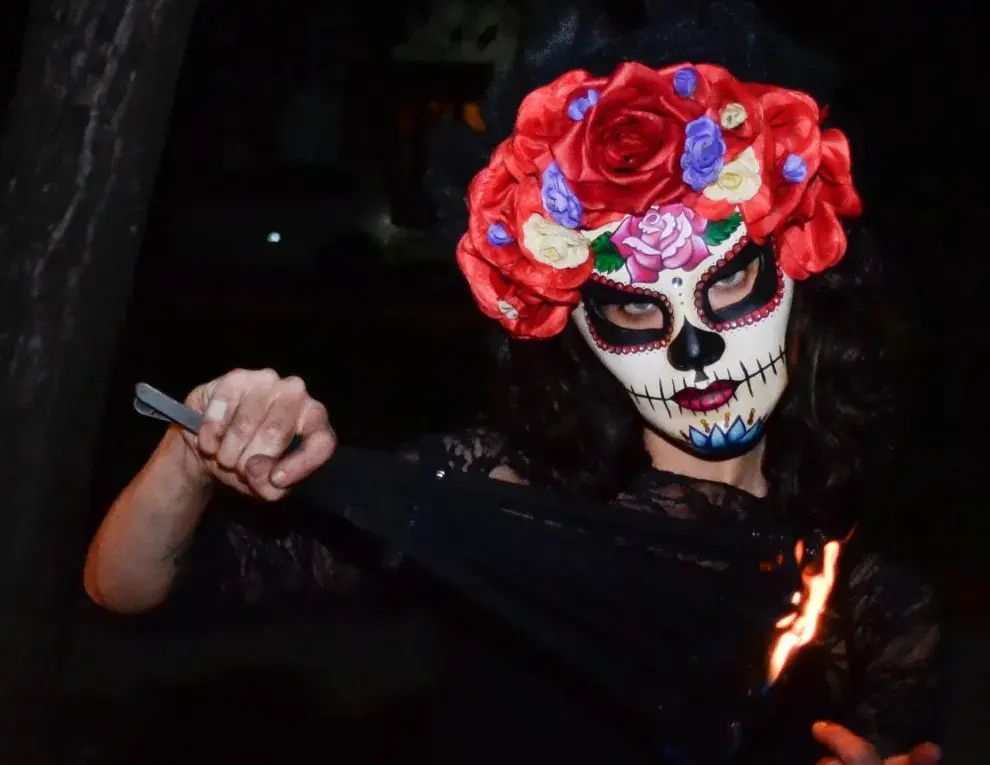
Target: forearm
(135, 555)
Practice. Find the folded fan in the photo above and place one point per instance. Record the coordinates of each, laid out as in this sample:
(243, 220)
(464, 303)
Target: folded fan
(673, 618)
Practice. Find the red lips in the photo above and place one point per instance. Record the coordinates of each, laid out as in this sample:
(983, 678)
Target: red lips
(714, 396)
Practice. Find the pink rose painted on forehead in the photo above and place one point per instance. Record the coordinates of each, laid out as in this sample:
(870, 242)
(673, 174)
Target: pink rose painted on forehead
(665, 237)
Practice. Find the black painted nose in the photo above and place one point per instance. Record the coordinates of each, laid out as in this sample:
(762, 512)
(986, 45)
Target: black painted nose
(695, 349)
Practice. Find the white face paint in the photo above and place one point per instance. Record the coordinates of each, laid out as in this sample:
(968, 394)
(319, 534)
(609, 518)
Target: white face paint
(702, 356)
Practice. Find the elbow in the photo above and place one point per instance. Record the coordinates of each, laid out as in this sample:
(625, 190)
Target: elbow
(93, 588)
(110, 591)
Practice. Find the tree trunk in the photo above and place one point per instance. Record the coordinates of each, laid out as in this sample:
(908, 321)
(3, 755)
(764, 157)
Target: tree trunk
(84, 134)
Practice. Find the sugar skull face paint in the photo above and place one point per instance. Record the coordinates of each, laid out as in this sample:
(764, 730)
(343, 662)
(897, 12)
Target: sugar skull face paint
(666, 212)
(691, 317)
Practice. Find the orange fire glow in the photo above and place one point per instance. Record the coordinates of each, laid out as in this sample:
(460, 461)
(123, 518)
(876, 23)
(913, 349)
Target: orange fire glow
(471, 114)
(797, 629)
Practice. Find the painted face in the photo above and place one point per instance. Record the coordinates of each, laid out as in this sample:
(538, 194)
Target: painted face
(691, 318)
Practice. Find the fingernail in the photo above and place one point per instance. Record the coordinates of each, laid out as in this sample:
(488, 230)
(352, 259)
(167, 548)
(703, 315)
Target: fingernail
(255, 468)
(819, 727)
(216, 410)
(278, 478)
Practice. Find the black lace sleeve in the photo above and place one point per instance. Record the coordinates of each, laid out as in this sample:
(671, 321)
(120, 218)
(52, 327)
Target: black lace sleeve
(274, 558)
(474, 451)
(258, 557)
(895, 636)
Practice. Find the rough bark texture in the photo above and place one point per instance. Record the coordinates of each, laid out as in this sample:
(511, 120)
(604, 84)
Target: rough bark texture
(84, 135)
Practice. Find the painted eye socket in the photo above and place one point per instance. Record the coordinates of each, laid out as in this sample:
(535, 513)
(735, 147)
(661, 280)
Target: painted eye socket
(741, 287)
(735, 287)
(635, 315)
(638, 309)
(624, 317)
(729, 282)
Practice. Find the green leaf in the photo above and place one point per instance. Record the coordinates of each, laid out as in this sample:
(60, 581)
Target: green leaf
(607, 256)
(720, 230)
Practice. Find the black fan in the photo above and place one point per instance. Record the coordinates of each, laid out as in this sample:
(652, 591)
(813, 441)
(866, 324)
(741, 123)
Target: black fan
(669, 616)
(674, 618)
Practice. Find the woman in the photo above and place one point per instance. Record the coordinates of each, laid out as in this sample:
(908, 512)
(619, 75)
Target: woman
(687, 311)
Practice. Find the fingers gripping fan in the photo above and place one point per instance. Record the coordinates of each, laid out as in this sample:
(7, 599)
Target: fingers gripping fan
(677, 620)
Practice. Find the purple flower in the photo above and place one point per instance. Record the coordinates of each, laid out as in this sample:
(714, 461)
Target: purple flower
(579, 106)
(498, 236)
(795, 170)
(703, 150)
(558, 200)
(685, 81)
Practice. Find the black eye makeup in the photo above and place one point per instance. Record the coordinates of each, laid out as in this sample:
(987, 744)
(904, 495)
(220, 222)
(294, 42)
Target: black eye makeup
(742, 290)
(626, 319)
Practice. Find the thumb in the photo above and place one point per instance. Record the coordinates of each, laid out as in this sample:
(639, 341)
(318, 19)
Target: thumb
(507, 475)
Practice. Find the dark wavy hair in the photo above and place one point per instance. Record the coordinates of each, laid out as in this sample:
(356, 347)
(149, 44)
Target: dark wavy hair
(556, 403)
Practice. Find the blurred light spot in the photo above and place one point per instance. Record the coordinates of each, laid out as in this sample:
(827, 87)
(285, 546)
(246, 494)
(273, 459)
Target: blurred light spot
(274, 237)
(471, 114)
(381, 228)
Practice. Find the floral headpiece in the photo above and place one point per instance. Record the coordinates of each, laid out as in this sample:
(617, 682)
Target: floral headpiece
(587, 152)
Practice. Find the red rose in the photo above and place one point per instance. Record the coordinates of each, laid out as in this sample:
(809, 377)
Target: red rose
(725, 91)
(736, 108)
(530, 298)
(791, 122)
(491, 201)
(624, 155)
(542, 119)
(617, 144)
(496, 198)
(752, 209)
(814, 238)
(523, 313)
(836, 173)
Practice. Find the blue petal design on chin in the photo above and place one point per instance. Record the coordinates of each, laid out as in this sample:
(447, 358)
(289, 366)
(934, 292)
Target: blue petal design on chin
(737, 432)
(699, 439)
(717, 439)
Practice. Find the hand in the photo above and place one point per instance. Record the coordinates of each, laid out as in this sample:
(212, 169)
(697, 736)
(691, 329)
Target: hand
(249, 419)
(850, 749)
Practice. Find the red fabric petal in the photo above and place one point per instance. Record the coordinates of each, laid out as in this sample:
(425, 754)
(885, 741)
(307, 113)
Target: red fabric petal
(812, 246)
(836, 174)
(791, 123)
(624, 156)
(814, 238)
(534, 316)
(724, 90)
(543, 113)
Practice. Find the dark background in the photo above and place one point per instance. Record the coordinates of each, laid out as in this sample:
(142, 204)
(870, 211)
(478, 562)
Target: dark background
(288, 231)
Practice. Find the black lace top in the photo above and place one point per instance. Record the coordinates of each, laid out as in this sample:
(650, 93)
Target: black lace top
(878, 640)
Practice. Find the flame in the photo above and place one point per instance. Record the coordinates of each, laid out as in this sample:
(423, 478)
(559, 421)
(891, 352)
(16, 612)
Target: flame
(799, 628)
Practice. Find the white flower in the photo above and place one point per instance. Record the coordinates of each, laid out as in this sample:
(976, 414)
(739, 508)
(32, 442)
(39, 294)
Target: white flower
(739, 180)
(554, 245)
(508, 310)
(733, 115)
